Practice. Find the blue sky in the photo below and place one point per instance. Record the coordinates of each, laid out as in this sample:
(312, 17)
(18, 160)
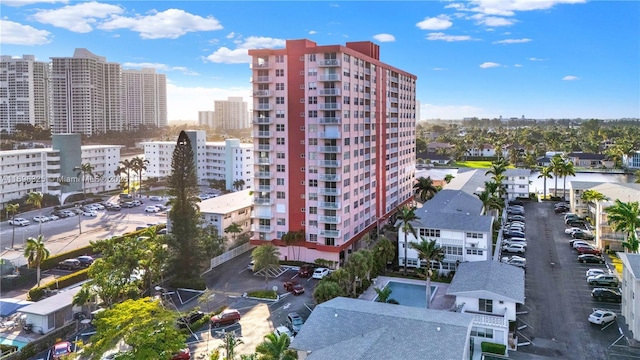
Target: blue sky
(484, 58)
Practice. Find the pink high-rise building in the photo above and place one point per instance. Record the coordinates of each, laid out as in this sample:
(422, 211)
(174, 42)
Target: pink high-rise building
(334, 139)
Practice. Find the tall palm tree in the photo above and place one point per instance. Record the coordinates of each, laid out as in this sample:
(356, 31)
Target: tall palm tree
(545, 173)
(489, 201)
(591, 196)
(567, 169)
(36, 252)
(497, 168)
(276, 348)
(429, 250)
(405, 217)
(12, 209)
(625, 217)
(86, 170)
(424, 188)
(556, 169)
(138, 165)
(35, 198)
(126, 168)
(265, 257)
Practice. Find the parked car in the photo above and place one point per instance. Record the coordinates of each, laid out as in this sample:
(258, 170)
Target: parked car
(517, 261)
(136, 202)
(188, 320)
(514, 248)
(61, 349)
(520, 241)
(294, 322)
(513, 233)
(155, 198)
(306, 271)
(160, 207)
(151, 209)
(585, 235)
(226, 317)
(576, 223)
(590, 258)
(515, 212)
(69, 264)
(594, 272)
(515, 218)
(604, 294)
(570, 230)
(283, 330)
(588, 250)
(516, 202)
(320, 273)
(53, 217)
(92, 213)
(603, 280)
(600, 317)
(127, 204)
(40, 218)
(251, 265)
(86, 260)
(19, 222)
(561, 209)
(184, 354)
(70, 213)
(163, 231)
(293, 287)
(575, 243)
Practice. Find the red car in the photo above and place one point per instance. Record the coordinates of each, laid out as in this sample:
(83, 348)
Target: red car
(294, 287)
(60, 349)
(226, 317)
(588, 250)
(306, 271)
(184, 354)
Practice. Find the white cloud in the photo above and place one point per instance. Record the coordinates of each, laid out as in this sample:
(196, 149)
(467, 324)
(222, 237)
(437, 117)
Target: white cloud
(28, 2)
(79, 18)
(17, 34)
(489, 64)
(183, 103)
(448, 38)
(161, 67)
(384, 37)
(312, 32)
(454, 6)
(570, 78)
(512, 41)
(451, 112)
(510, 7)
(230, 35)
(169, 24)
(440, 22)
(496, 21)
(240, 54)
(438, 69)
(517, 65)
(535, 59)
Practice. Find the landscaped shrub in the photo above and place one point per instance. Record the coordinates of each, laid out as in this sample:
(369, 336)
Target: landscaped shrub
(37, 293)
(263, 294)
(493, 348)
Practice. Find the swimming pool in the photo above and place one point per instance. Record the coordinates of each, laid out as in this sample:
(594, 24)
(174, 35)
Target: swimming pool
(410, 294)
(18, 343)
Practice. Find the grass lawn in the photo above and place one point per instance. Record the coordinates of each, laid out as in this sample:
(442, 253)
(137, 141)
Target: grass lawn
(476, 164)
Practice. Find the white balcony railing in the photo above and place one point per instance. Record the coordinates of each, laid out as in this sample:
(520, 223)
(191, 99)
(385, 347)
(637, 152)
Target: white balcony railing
(263, 134)
(329, 163)
(329, 149)
(328, 62)
(329, 177)
(262, 79)
(330, 191)
(264, 161)
(264, 175)
(329, 106)
(330, 205)
(264, 188)
(329, 92)
(329, 135)
(330, 219)
(262, 93)
(329, 120)
(264, 107)
(265, 147)
(329, 77)
(330, 233)
(262, 201)
(261, 65)
(263, 120)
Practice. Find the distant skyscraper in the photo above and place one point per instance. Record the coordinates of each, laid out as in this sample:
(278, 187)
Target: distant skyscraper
(88, 93)
(231, 114)
(145, 98)
(205, 118)
(24, 92)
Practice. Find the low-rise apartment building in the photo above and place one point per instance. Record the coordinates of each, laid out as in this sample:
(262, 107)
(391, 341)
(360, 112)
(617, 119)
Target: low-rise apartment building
(517, 183)
(630, 287)
(222, 211)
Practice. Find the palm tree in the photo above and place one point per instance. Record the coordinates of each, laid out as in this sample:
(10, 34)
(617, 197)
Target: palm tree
(12, 209)
(556, 169)
(545, 173)
(489, 201)
(428, 251)
(35, 198)
(383, 253)
(405, 217)
(234, 229)
(238, 184)
(497, 168)
(291, 238)
(567, 169)
(266, 257)
(86, 170)
(383, 294)
(625, 217)
(425, 189)
(138, 165)
(126, 168)
(36, 252)
(448, 178)
(276, 348)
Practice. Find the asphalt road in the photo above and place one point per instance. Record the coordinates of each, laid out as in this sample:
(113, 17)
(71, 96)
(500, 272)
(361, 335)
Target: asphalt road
(558, 300)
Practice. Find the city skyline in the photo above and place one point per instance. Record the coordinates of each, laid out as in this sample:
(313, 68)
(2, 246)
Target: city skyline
(473, 59)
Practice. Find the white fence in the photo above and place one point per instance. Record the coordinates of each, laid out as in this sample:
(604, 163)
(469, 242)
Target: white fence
(220, 259)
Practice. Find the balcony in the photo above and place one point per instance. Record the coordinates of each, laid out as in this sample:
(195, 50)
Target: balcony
(329, 149)
(261, 65)
(264, 188)
(329, 77)
(264, 107)
(330, 191)
(262, 201)
(486, 319)
(261, 214)
(329, 92)
(329, 120)
(612, 236)
(330, 205)
(367, 71)
(329, 177)
(262, 228)
(330, 106)
(367, 108)
(329, 135)
(367, 95)
(329, 163)
(328, 62)
(262, 93)
(330, 219)
(393, 130)
(330, 233)
(264, 161)
(265, 147)
(393, 99)
(263, 134)
(262, 79)
(393, 120)
(393, 89)
(367, 132)
(393, 79)
(262, 120)
(264, 175)
(393, 110)
(367, 120)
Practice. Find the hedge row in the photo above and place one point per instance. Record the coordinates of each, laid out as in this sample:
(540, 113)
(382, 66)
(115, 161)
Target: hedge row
(493, 348)
(37, 293)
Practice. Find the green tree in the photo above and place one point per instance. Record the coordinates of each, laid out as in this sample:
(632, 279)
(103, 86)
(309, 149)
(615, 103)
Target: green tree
(238, 184)
(637, 175)
(294, 239)
(230, 343)
(625, 217)
(126, 168)
(357, 266)
(144, 325)
(138, 165)
(233, 229)
(545, 173)
(448, 178)
(327, 290)
(35, 198)
(567, 169)
(86, 171)
(424, 189)
(489, 201)
(12, 210)
(429, 251)
(384, 252)
(186, 255)
(36, 252)
(556, 167)
(383, 294)
(266, 257)
(275, 348)
(406, 216)
(343, 278)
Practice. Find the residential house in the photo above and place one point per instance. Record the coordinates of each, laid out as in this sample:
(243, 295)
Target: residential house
(453, 218)
(543, 161)
(438, 147)
(582, 159)
(491, 298)
(53, 312)
(344, 328)
(433, 158)
(631, 287)
(482, 150)
(517, 183)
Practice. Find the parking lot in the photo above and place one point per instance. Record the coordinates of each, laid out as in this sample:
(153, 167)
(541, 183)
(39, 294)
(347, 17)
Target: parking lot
(558, 302)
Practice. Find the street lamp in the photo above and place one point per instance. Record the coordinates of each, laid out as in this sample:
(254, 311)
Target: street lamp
(79, 220)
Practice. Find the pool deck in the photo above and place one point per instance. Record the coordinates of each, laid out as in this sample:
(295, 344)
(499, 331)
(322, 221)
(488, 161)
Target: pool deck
(440, 301)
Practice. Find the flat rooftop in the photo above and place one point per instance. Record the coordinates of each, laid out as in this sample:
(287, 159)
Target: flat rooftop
(227, 203)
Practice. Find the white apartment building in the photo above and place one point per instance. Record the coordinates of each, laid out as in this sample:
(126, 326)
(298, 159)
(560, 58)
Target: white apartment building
(205, 118)
(224, 210)
(145, 98)
(230, 160)
(631, 286)
(24, 92)
(517, 183)
(454, 220)
(231, 114)
(87, 94)
(334, 137)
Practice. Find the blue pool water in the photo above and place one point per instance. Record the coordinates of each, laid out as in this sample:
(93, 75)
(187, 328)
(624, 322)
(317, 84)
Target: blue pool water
(19, 344)
(413, 295)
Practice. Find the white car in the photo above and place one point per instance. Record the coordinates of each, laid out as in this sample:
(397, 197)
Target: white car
(577, 244)
(520, 241)
(283, 330)
(19, 222)
(97, 206)
(320, 273)
(600, 317)
(53, 217)
(151, 209)
(514, 248)
(570, 230)
(596, 272)
(40, 218)
(92, 213)
(155, 198)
